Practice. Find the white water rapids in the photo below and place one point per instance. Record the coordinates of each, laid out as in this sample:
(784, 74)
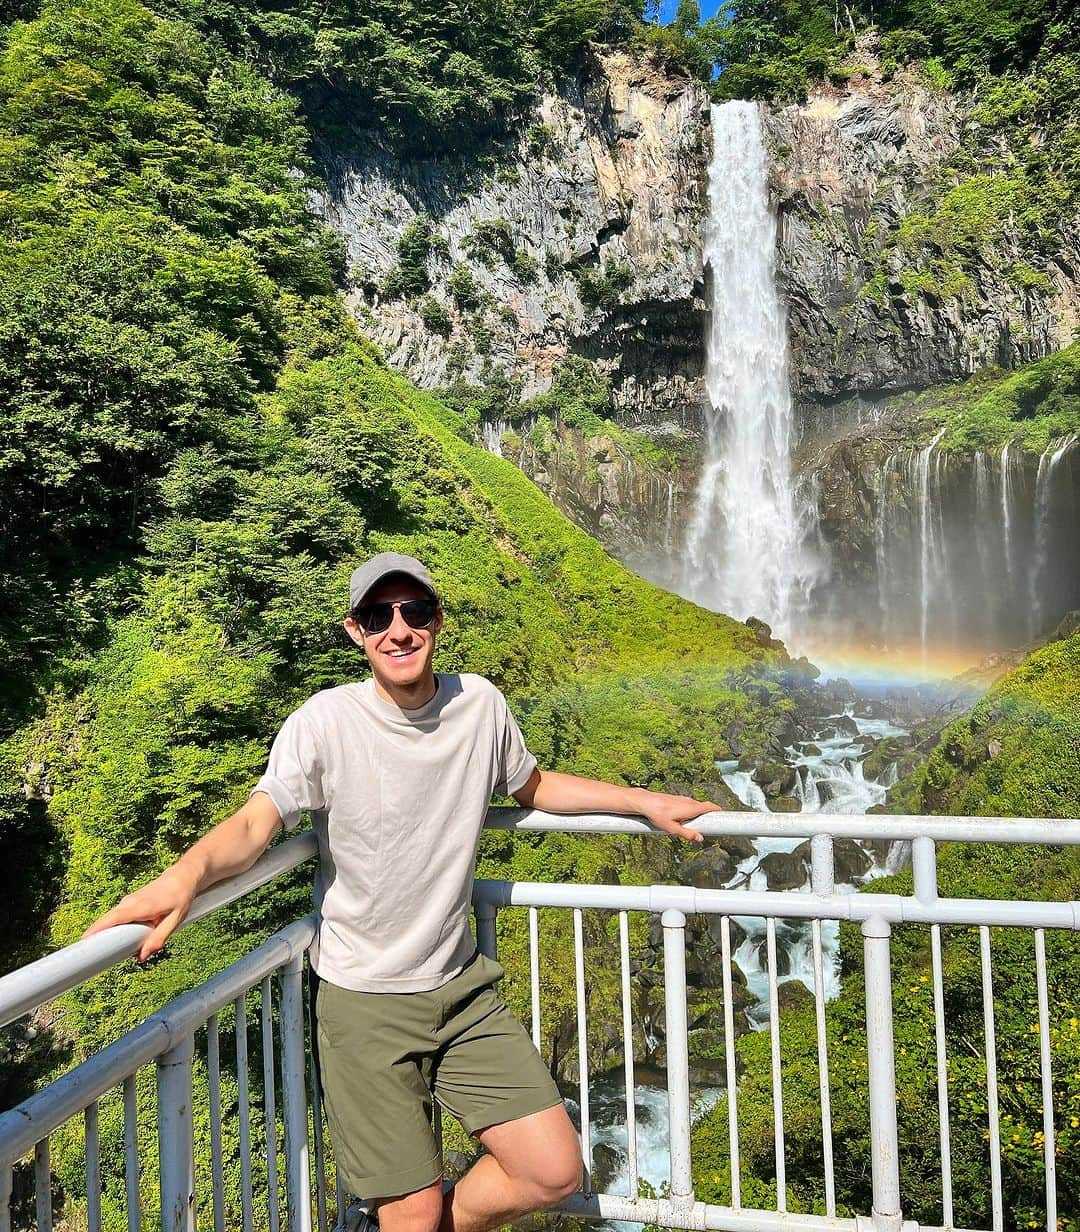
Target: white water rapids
(830, 777)
(748, 545)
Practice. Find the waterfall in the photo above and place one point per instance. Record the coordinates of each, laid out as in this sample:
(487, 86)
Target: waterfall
(927, 540)
(1040, 560)
(984, 517)
(492, 430)
(881, 557)
(747, 548)
(1006, 508)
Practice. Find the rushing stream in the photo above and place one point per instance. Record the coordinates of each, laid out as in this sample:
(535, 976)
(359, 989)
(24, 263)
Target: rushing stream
(829, 770)
(830, 777)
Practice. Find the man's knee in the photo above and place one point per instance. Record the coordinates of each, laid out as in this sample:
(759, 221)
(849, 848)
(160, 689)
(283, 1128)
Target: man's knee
(562, 1177)
(416, 1212)
(559, 1174)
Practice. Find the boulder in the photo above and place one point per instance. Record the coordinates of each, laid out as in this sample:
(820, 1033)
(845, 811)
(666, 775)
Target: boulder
(784, 804)
(735, 930)
(785, 870)
(850, 861)
(792, 994)
(712, 867)
(775, 778)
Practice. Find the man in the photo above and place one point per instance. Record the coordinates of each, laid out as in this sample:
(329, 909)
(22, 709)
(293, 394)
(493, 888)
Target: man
(398, 773)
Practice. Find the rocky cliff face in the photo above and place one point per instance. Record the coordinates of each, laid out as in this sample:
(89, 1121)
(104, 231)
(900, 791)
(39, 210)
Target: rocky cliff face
(580, 235)
(848, 166)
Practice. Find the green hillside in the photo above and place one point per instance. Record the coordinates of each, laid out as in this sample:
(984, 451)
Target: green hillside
(1016, 753)
(199, 448)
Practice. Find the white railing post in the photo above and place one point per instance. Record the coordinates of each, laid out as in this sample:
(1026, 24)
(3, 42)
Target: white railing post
(924, 868)
(485, 929)
(678, 1058)
(294, 1092)
(884, 1140)
(822, 866)
(175, 1137)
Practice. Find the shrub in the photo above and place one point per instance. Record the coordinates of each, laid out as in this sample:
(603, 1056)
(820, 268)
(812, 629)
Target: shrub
(525, 268)
(462, 286)
(414, 249)
(904, 46)
(489, 240)
(603, 289)
(434, 315)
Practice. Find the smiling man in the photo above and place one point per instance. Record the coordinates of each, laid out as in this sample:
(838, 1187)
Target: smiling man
(397, 773)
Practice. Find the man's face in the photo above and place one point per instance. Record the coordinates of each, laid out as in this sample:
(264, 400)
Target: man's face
(400, 656)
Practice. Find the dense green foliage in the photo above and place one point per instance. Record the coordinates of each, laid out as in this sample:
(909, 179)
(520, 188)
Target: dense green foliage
(430, 75)
(776, 48)
(1031, 407)
(1034, 405)
(154, 242)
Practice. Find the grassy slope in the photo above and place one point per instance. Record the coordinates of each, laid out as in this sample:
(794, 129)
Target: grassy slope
(1032, 406)
(610, 674)
(168, 725)
(1016, 753)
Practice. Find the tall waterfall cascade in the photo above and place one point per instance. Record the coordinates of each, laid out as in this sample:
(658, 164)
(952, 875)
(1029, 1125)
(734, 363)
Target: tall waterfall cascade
(749, 547)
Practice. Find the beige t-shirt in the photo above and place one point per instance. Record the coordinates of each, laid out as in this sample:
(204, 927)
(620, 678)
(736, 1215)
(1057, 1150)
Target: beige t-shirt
(398, 800)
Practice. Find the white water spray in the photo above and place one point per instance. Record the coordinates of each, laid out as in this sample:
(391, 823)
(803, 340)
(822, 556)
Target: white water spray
(747, 549)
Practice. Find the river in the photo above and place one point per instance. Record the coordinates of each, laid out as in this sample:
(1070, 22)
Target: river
(829, 770)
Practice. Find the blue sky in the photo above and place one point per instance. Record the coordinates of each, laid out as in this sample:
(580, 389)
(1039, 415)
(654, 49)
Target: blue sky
(668, 7)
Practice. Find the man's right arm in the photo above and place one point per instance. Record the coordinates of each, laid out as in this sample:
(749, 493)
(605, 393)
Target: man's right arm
(230, 848)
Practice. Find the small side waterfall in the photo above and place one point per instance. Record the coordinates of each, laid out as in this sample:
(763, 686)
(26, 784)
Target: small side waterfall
(748, 548)
(1044, 495)
(975, 552)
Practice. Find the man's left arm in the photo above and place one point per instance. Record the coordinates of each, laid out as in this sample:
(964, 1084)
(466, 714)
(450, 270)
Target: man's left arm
(552, 792)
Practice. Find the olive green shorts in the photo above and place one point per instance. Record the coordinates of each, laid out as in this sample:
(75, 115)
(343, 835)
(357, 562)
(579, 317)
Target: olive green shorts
(383, 1055)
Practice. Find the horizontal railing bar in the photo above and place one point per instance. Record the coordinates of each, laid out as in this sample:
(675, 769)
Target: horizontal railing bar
(664, 1212)
(669, 1214)
(38, 982)
(779, 904)
(1053, 831)
(32, 1120)
(25, 989)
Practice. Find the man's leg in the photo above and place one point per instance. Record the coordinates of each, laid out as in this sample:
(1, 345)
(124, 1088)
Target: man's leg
(532, 1163)
(414, 1212)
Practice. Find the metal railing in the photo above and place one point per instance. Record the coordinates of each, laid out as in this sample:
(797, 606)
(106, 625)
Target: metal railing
(168, 1038)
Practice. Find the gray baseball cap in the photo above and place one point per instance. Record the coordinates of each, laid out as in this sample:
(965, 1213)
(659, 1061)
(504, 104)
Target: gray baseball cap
(378, 567)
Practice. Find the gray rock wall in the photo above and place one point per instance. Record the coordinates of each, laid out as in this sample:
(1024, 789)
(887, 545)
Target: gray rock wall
(847, 167)
(605, 181)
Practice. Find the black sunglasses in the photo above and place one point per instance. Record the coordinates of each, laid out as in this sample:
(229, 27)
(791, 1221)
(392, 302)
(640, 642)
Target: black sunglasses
(378, 617)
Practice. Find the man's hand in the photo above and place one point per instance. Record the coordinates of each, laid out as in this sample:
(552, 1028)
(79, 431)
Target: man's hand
(670, 813)
(567, 793)
(163, 903)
